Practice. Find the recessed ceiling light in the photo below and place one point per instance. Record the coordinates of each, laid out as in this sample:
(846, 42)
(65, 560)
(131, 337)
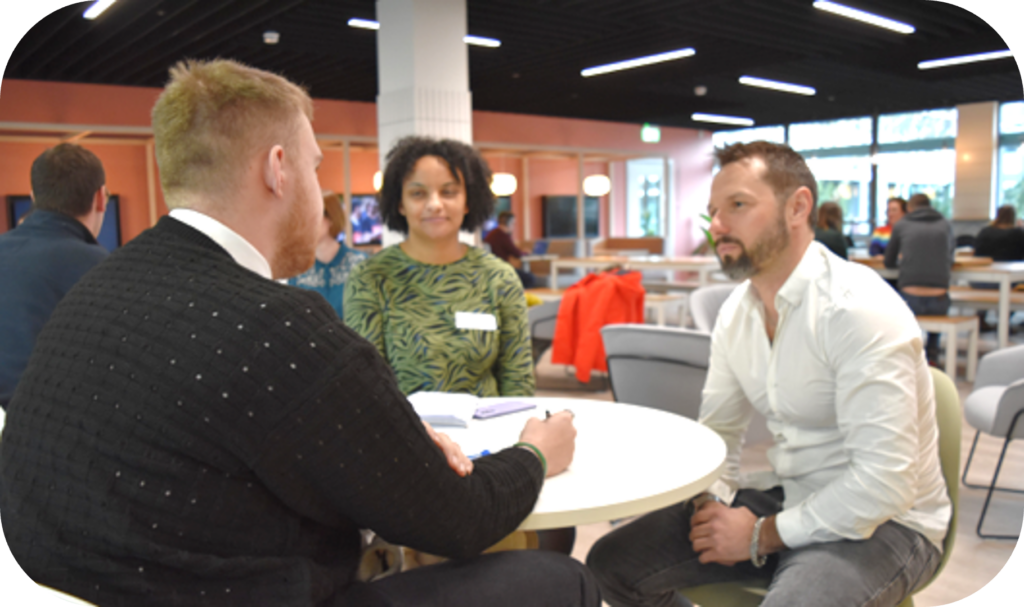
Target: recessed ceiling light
(775, 85)
(934, 63)
(97, 8)
(864, 17)
(367, 24)
(719, 119)
(481, 41)
(639, 61)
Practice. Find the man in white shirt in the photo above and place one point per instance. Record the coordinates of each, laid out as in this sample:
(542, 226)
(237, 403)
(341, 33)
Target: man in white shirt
(854, 509)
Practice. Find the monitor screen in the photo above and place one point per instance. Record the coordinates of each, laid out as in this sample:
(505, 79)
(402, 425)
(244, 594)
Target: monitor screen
(560, 216)
(367, 227)
(18, 207)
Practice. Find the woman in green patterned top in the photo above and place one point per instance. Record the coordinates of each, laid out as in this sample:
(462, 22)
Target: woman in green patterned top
(447, 317)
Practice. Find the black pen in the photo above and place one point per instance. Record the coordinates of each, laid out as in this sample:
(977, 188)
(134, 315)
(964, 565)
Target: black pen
(547, 415)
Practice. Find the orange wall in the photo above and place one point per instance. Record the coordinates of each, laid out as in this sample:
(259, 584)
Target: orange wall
(64, 103)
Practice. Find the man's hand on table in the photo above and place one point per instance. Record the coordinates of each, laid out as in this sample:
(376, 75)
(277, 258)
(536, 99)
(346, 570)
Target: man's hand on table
(721, 534)
(458, 461)
(555, 437)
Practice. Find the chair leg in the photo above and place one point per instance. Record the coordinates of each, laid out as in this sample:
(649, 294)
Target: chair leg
(992, 487)
(967, 467)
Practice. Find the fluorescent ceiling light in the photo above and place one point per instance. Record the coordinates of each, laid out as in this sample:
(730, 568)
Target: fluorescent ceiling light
(864, 17)
(737, 120)
(631, 63)
(934, 63)
(775, 85)
(367, 24)
(481, 41)
(97, 8)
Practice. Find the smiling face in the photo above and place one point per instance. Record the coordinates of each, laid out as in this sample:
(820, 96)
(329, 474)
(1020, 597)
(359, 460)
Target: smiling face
(747, 220)
(893, 212)
(433, 201)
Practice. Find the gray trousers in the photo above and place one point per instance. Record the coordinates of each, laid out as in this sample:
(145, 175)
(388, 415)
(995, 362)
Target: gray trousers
(644, 563)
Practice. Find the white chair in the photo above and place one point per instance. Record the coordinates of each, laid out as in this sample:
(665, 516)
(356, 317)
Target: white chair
(705, 303)
(659, 367)
(995, 407)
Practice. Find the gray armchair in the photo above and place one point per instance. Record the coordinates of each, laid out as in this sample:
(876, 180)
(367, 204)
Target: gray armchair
(705, 303)
(659, 367)
(995, 407)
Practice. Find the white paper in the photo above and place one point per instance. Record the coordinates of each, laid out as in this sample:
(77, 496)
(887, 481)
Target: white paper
(444, 408)
(480, 321)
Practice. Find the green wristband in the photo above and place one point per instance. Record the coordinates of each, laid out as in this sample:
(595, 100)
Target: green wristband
(540, 456)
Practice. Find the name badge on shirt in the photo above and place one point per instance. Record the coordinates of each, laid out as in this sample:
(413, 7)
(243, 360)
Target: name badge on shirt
(479, 321)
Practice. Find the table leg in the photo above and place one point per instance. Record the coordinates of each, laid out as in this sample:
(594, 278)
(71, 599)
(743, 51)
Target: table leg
(1004, 311)
(553, 279)
(972, 352)
(951, 354)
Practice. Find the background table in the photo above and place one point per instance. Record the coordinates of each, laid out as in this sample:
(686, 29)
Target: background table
(702, 265)
(629, 459)
(1005, 273)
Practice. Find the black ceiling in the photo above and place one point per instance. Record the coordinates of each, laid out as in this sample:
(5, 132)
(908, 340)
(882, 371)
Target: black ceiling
(857, 69)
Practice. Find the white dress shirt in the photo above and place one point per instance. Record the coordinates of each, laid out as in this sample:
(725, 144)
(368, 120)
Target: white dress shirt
(848, 398)
(239, 248)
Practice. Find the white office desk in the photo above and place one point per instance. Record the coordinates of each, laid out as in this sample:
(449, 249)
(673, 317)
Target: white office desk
(629, 460)
(704, 266)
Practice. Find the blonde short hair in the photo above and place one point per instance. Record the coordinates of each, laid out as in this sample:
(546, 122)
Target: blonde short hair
(211, 118)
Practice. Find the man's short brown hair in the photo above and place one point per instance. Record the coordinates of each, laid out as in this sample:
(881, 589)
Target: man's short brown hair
(65, 178)
(212, 117)
(785, 170)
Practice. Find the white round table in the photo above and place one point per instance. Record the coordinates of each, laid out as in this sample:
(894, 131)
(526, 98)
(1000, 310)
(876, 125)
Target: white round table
(629, 459)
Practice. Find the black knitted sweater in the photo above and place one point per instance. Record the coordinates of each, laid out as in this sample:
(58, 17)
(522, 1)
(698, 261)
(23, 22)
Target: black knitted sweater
(190, 433)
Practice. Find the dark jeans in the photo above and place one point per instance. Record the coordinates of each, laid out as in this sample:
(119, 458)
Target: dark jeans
(515, 578)
(929, 306)
(644, 563)
(529, 280)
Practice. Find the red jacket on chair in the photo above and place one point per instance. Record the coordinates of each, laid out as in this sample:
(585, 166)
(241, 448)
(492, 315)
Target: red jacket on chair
(597, 300)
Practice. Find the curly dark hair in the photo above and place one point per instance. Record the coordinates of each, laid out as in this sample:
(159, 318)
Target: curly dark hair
(465, 164)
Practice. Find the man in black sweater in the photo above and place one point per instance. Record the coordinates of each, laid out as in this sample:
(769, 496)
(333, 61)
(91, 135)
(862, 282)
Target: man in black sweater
(191, 432)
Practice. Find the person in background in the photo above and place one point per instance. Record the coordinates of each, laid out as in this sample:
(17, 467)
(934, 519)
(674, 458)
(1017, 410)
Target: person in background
(447, 317)
(854, 508)
(829, 230)
(334, 260)
(895, 209)
(502, 245)
(49, 252)
(1002, 240)
(189, 431)
(922, 247)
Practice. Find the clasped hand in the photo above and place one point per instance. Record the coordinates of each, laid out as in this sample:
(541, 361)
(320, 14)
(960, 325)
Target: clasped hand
(721, 534)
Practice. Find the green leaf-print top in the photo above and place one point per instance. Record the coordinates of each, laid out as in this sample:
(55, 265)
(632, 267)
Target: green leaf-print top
(407, 309)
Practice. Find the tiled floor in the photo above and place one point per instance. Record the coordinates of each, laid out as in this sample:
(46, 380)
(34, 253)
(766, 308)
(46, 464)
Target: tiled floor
(973, 563)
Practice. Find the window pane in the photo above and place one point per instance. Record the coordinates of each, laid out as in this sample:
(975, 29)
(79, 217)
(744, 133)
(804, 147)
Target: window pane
(1011, 176)
(775, 134)
(828, 135)
(911, 126)
(845, 180)
(903, 174)
(645, 184)
(1011, 118)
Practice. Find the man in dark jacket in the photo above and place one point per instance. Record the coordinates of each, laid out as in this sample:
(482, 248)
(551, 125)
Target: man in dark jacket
(191, 432)
(922, 247)
(46, 255)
